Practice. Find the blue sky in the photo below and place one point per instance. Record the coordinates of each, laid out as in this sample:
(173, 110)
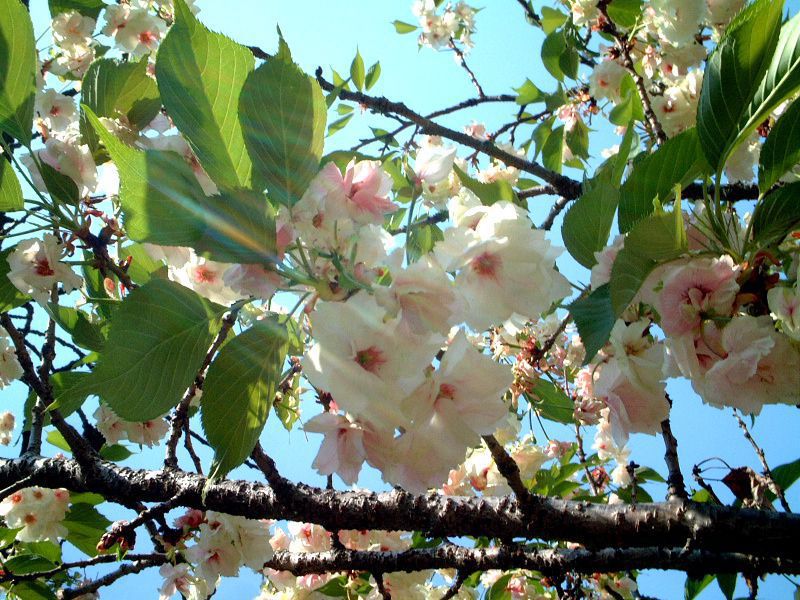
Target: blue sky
(327, 34)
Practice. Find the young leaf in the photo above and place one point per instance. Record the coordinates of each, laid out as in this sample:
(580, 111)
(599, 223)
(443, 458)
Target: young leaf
(158, 339)
(357, 72)
(528, 93)
(282, 113)
(239, 390)
(84, 332)
(58, 185)
(17, 70)
(781, 151)
(402, 27)
(553, 403)
(112, 88)
(488, 193)
(373, 73)
(733, 74)
(200, 76)
(85, 526)
(10, 191)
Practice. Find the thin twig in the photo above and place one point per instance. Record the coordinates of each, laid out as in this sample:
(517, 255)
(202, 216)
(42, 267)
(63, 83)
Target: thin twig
(463, 62)
(676, 487)
(776, 489)
(126, 569)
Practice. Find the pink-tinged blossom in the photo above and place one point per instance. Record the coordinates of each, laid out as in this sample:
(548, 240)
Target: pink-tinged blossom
(73, 160)
(308, 537)
(759, 366)
(496, 263)
(694, 291)
(632, 381)
(606, 79)
(35, 267)
(423, 296)
(342, 450)
(71, 29)
(134, 30)
(57, 112)
(361, 194)
(7, 421)
(252, 280)
(205, 277)
(784, 302)
(363, 362)
(601, 272)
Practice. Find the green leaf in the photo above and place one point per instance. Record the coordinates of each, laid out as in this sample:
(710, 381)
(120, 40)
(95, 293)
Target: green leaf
(782, 79)
(619, 162)
(158, 339)
(776, 214)
(159, 193)
(373, 74)
(553, 150)
(338, 124)
(786, 475)
(630, 108)
(553, 403)
(553, 48)
(240, 228)
(10, 296)
(142, 266)
(200, 75)
(587, 224)
(85, 526)
(239, 390)
(421, 240)
(528, 93)
(679, 160)
(498, 590)
(17, 71)
(727, 584)
(112, 88)
(55, 438)
(552, 19)
(69, 391)
(115, 453)
(625, 13)
(488, 193)
(11, 198)
(577, 140)
(32, 590)
(401, 27)
(335, 588)
(781, 151)
(595, 318)
(59, 186)
(696, 585)
(357, 71)
(84, 332)
(88, 8)
(732, 76)
(283, 114)
(657, 238)
(22, 564)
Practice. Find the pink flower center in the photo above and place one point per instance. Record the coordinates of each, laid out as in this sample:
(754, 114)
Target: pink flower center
(203, 274)
(446, 390)
(486, 265)
(55, 111)
(370, 359)
(43, 268)
(147, 38)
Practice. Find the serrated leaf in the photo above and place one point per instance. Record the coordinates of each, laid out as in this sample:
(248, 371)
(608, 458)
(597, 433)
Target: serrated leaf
(159, 193)
(373, 74)
(239, 390)
(112, 88)
(10, 296)
(357, 71)
(22, 564)
(781, 80)
(625, 13)
(59, 186)
(11, 198)
(776, 214)
(283, 115)
(85, 526)
(115, 453)
(402, 27)
(33, 590)
(84, 332)
(595, 318)
(733, 73)
(587, 223)
(142, 266)
(17, 70)
(157, 341)
(200, 76)
(552, 19)
(88, 8)
(553, 403)
(678, 160)
(488, 193)
(69, 391)
(781, 150)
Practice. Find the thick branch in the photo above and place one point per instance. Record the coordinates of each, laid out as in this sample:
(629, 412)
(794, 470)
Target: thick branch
(546, 561)
(716, 528)
(676, 487)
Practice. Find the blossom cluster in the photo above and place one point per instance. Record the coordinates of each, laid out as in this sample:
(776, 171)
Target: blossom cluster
(455, 22)
(37, 512)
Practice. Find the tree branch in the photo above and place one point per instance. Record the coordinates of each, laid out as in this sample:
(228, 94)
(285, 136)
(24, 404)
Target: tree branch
(776, 489)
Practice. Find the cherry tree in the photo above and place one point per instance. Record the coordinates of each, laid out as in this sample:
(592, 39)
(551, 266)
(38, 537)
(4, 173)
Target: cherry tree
(186, 252)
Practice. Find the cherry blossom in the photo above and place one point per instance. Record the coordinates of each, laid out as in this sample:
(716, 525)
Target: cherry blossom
(35, 267)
